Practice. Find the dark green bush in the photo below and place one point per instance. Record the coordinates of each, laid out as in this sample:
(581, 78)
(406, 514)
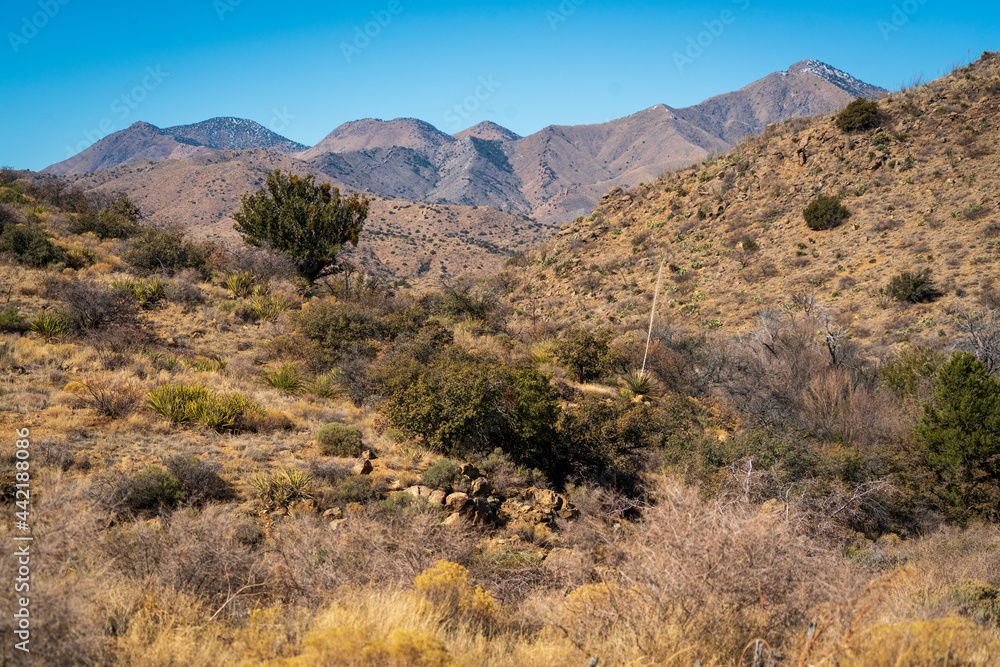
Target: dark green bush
(442, 474)
(167, 251)
(355, 489)
(9, 195)
(588, 356)
(200, 481)
(151, 491)
(960, 433)
(11, 320)
(825, 212)
(29, 245)
(336, 439)
(912, 287)
(342, 326)
(861, 114)
(118, 218)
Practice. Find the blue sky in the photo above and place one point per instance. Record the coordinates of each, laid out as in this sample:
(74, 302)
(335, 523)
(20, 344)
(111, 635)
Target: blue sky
(72, 71)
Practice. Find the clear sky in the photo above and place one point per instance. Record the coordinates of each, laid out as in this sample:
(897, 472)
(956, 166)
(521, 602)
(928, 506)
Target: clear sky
(72, 71)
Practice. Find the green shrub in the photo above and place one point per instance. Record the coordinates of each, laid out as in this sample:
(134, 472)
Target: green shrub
(910, 372)
(825, 212)
(79, 258)
(151, 491)
(167, 251)
(9, 195)
(11, 320)
(336, 439)
(912, 287)
(261, 307)
(960, 433)
(355, 489)
(442, 474)
(861, 114)
(286, 378)
(29, 245)
(199, 481)
(325, 386)
(118, 219)
(587, 356)
(342, 326)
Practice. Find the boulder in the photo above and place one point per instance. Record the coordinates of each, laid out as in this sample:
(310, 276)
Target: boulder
(363, 468)
(481, 487)
(437, 497)
(456, 502)
(333, 513)
(471, 471)
(420, 491)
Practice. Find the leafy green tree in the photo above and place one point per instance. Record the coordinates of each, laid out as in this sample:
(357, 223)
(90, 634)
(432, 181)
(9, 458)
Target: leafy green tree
(960, 433)
(588, 356)
(308, 223)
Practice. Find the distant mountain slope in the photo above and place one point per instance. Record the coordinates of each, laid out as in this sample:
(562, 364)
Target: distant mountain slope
(371, 133)
(554, 175)
(232, 134)
(806, 89)
(143, 141)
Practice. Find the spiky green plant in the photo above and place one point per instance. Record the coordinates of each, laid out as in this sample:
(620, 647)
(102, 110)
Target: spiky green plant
(50, 326)
(242, 283)
(638, 382)
(325, 386)
(283, 487)
(286, 377)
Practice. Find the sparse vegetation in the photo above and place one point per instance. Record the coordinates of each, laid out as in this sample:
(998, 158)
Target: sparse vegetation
(859, 115)
(825, 212)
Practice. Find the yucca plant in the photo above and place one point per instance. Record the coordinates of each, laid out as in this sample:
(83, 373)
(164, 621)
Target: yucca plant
(265, 307)
(639, 383)
(286, 378)
(178, 403)
(325, 386)
(246, 283)
(50, 326)
(283, 487)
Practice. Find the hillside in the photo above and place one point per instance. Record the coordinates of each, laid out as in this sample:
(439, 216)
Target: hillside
(921, 192)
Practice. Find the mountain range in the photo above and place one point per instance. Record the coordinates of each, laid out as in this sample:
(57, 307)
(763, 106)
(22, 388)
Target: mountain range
(553, 175)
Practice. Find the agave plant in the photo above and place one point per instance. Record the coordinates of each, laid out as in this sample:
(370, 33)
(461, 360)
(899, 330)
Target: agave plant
(639, 383)
(286, 378)
(49, 326)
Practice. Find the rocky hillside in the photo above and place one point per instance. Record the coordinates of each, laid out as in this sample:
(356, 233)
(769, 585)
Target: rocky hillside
(921, 192)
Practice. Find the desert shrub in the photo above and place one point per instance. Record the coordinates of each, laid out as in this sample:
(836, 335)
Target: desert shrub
(446, 586)
(325, 386)
(910, 373)
(149, 492)
(29, 245)
(861, 114)
(342, 326)
(588, 356)
(936, 641)
(167, 251)
(605, 441)
(355, 489)
(193, 404)
(825, 212)
(11, 320)
(9, 195)
(912, 287)
(442, 474)
(459, 402)
(960, 433)
(199, 481)
(90, 306)
(118, 218)
(353, 646)
(79, 258)
(185, 293)
(259, 307)
(336, 439)
(112, 400)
